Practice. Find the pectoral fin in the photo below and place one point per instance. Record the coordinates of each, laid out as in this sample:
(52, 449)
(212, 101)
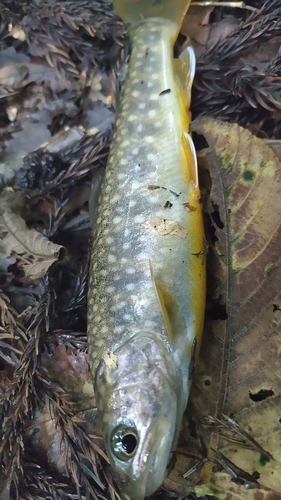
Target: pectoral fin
(170, 311)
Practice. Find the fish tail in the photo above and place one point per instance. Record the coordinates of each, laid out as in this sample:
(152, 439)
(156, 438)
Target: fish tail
(133, 11)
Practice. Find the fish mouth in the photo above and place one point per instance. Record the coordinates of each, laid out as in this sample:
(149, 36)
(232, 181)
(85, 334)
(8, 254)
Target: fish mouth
(149, 467)
(138, 489)
(145, 485)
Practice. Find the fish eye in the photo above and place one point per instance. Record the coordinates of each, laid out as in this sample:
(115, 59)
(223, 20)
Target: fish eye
(124, 442)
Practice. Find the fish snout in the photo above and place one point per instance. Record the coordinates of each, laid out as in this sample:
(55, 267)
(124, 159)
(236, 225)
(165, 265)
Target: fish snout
(148, 468)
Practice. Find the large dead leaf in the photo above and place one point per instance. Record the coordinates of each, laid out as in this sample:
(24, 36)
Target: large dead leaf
(238, 374)
(37, 252)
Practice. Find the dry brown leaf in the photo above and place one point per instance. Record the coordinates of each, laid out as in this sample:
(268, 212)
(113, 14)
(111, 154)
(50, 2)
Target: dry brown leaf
(196, 24)
(13, 75)
(39, 252)
(224, 487)
(239, 369)
(70, 368)
(17, 72)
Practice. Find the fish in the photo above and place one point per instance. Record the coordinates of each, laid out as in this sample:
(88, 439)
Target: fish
(147, 285)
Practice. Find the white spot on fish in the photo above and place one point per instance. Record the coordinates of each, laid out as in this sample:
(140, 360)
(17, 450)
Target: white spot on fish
(132, 203)
(104, 330)
(121, 176)
(152, 113)
(99, 343)
(154, 97)
(106, 213)
(115, 198)
(149, 139)
(136, 185)
(141, 105)
(111, 258)
(127, 317)
(91, 301)
(132, 118)
(123, 162)
(135, 151)
(130, 270)
(116, 220)
(139, 127)
(126, 246)
(110, 289)
(130, 287)
(150, 157)
(149, 324)
(118, 329)
(120, 305)
(136, 93)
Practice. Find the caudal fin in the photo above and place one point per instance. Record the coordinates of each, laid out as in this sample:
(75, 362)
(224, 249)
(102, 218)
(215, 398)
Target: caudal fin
(132, 11)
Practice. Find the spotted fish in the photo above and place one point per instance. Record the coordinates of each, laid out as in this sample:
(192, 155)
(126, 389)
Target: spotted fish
(147, 274)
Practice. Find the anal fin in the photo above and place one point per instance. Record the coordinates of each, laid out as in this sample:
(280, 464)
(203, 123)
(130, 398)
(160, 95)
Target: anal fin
(191, 160)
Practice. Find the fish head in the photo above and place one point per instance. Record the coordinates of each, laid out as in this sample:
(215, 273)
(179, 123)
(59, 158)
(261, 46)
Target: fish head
(137, 393)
